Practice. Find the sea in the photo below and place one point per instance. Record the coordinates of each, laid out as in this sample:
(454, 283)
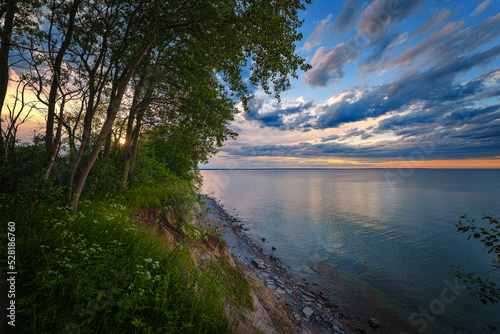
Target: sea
(380, 243)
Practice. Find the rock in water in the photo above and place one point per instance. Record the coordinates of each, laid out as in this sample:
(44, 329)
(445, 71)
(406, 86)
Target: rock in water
(323, 295)
(374, 322)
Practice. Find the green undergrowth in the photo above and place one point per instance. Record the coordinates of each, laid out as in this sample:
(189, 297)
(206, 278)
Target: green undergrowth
(96, 271)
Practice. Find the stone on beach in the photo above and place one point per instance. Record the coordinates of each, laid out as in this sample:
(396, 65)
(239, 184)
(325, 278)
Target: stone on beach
(307, 298)
(307, 311)
(258, 263)
(309, 294)
(374, 322)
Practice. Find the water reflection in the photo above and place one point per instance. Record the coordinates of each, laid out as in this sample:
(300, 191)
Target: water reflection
(382, 250)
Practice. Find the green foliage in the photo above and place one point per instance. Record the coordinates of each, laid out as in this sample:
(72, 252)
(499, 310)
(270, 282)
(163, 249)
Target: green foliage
(96, 272)
(104, 175)
(481, 288)
(25, 169)
(227, 282)
(197, 55)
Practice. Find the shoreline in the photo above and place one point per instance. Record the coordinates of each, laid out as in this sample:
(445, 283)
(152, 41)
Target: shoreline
(309, 311)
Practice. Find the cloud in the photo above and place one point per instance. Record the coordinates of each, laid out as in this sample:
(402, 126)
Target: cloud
(362, 134)
(434, 92)
(316, 37)
(380, 48)
(328, 64)
(346, 19)
(434, 89)
(380, 13)
(375, 41)
(330, 138)
(479, 143)
(449, 42)
(457, 123)
(482, 7)
(439, 18)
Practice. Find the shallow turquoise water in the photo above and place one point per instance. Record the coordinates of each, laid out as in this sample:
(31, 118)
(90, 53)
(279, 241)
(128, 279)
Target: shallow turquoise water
(382, 241)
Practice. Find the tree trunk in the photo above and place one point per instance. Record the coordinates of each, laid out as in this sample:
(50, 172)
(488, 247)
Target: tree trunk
(57, 145)
(6, 36)
(127, 146)
(87, 128)
(135, 142)
(93, 103)
(51, 111)
(107, 145)
(108, 123)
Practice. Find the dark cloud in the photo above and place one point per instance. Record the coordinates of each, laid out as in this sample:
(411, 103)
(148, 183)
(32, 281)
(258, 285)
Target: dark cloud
(461, 122)
(435, 86)
(330, 138)
(275, 116)
(476, 142)
(362, 134)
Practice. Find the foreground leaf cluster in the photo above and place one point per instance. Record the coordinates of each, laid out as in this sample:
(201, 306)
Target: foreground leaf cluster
(489, 235)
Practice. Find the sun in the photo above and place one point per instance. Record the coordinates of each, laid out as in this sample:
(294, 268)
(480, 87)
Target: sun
(121, 141)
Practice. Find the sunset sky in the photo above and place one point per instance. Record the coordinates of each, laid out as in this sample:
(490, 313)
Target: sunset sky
(395, 83)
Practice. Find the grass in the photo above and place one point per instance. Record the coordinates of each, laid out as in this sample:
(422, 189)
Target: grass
(97, 272)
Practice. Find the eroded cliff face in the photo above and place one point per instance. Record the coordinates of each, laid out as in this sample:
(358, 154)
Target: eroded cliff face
(263, 312)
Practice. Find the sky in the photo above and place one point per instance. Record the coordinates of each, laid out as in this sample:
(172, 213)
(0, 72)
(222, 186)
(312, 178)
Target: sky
(394, 84)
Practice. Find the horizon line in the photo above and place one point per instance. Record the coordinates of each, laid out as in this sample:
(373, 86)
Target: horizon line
(348, 168)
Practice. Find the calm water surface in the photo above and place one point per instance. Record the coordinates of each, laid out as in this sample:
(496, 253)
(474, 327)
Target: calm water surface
(383, 244)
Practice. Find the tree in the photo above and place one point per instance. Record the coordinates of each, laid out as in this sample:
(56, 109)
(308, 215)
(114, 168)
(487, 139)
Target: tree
(219, 35)
(481, 288)
(17, 114)
(7, 12)
(14, 15)
(180, 65)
